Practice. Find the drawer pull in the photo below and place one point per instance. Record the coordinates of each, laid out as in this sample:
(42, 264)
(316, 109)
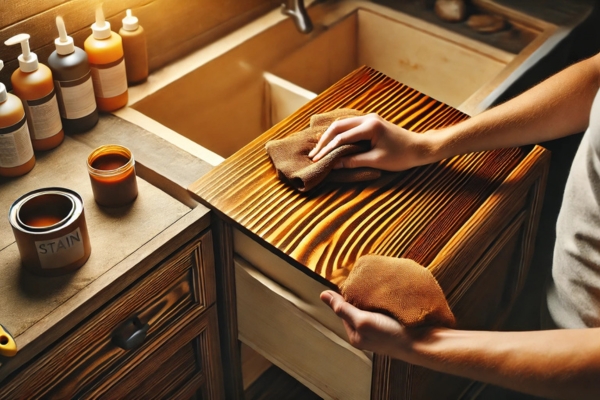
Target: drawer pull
(131, 334)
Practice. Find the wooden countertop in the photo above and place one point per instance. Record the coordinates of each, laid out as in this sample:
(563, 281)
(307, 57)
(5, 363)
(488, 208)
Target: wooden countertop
(413, 214)
(126, 241)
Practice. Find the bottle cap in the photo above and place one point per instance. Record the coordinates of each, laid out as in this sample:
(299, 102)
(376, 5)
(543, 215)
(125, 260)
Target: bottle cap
(2, 87)
(28, 61)
(130, 23)
(101, 28)
(64, 44)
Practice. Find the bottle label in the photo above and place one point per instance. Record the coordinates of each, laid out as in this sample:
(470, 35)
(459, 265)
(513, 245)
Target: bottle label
(15, 145)
(61, 251)
(110, 80)
(43, 116)
(76, 98)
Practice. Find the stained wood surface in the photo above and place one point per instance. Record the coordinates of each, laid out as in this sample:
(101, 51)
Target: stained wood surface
(410, 214)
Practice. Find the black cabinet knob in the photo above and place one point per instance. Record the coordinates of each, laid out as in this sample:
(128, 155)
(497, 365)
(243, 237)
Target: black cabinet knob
(130, 334)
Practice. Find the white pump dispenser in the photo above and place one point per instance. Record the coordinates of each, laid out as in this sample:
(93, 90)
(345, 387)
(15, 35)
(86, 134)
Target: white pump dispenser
(100, 28)
(28, 61)
(64, 43)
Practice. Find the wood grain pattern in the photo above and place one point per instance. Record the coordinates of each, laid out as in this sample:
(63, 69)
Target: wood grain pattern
(87, 362)
(411, 214)
(227, 311)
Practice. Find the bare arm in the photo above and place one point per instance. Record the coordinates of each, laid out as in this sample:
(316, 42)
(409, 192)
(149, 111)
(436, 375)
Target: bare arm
(555, 363)
(557, 107)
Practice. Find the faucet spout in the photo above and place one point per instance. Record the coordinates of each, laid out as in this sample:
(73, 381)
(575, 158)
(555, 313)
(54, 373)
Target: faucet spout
(295, 9)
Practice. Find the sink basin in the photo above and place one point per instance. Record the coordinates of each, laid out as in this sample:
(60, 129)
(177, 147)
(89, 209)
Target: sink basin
(223, 96)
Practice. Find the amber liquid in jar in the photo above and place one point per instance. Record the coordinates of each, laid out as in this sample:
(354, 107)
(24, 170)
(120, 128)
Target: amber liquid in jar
(112, 174)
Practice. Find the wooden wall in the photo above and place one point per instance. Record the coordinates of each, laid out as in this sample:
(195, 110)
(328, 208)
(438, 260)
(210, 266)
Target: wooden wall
(174, 27)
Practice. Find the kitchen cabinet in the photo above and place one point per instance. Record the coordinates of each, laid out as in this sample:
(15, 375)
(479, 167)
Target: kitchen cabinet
(471, 220)
(139, 318)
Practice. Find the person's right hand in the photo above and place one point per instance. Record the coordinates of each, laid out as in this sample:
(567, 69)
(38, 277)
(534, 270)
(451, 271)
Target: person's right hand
(392, 147)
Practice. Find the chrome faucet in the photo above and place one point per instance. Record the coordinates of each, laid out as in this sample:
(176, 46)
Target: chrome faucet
(296, 10)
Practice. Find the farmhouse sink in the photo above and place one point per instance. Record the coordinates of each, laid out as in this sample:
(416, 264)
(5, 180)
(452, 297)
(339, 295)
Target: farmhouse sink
(221, 97)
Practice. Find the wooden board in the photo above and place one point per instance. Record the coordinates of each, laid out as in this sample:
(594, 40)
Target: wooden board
(411, 214)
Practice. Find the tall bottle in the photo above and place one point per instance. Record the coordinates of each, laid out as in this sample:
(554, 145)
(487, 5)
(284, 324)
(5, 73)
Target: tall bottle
(135, 49)
(73, 83)
(32, 83)
(105, 53)
(16, 152)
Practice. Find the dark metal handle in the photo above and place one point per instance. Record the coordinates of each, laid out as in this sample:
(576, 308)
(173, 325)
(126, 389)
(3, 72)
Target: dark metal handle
(131, 333)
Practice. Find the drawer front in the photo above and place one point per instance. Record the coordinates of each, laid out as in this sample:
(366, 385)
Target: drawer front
(163, 303)
(185, 365)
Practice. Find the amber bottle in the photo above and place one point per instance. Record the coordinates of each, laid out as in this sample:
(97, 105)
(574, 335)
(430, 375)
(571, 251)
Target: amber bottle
(16, 157)
(105, 53)
(32, 83)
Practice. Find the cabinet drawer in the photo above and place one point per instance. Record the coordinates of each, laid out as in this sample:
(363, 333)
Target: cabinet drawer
(167, 299)
(271, 323)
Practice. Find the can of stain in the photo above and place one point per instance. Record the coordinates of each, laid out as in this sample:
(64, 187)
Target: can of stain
(50, 231)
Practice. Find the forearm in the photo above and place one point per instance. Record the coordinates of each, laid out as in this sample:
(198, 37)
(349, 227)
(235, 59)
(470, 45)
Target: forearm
(555, 364)
(557, 107)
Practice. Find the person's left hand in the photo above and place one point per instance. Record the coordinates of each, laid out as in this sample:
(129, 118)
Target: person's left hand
(371, 331)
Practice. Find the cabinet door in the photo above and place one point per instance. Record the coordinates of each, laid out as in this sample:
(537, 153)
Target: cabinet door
(158, 314)
(185, 366)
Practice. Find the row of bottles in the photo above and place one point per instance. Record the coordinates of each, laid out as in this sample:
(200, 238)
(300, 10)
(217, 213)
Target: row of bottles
(69, 92)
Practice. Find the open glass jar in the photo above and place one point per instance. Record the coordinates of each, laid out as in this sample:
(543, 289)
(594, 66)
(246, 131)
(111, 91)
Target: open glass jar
(112, 174)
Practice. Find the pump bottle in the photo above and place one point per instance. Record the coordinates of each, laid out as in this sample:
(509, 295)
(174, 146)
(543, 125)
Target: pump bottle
(32, 83)
(105, 53)
(16, 152)
(73, 83)
(134, 47)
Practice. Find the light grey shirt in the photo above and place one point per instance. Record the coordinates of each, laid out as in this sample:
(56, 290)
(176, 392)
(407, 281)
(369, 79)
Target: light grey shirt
(573, 297)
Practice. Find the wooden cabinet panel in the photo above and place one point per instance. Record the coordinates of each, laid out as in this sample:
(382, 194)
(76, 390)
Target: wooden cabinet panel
(166, 302)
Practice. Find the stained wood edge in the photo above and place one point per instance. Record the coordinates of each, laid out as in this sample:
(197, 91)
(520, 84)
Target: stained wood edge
(532, 172)
(227, 308)
(66, 316)
(533, 167)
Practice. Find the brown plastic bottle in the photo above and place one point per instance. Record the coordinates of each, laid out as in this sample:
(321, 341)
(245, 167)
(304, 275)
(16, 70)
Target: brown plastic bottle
(16, 157)
(32, 83)
(135, 49)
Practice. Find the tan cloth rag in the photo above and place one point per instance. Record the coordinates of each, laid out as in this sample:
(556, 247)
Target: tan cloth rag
(290, 155)
(400, 288)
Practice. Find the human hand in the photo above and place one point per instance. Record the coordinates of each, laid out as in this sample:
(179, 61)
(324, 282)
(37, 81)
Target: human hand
(392, 148)
(371, 331)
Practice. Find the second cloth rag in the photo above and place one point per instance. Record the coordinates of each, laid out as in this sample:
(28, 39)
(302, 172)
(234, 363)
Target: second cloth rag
(290, 155)
(399, 287)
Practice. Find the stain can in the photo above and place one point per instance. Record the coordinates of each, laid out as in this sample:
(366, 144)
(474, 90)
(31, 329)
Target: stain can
(50, 231)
